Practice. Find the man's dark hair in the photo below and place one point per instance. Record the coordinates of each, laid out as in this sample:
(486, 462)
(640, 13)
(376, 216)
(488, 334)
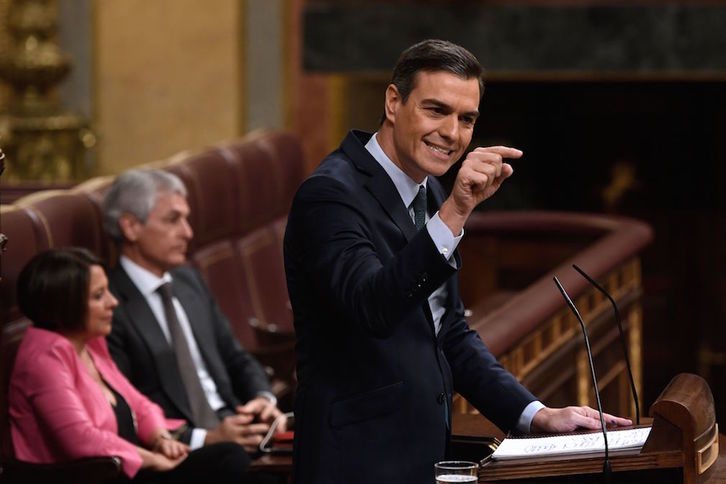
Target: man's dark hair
(53, 288)
(435, 55)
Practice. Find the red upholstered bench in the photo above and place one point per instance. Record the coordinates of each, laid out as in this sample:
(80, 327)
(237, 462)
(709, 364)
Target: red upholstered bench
(239, 194)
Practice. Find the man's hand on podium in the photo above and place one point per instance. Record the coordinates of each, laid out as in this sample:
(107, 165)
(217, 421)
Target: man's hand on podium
(568, 419)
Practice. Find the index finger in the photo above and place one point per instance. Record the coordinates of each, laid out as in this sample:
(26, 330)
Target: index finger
(615, 420)
(258, 428)
(241, 418)
(503, 151)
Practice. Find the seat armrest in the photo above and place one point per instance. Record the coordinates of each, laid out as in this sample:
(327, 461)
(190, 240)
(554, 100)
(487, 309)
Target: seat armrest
(268, 334)
(279, 356)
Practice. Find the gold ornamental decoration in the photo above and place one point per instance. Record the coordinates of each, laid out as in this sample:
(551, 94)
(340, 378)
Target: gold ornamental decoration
(43, 142)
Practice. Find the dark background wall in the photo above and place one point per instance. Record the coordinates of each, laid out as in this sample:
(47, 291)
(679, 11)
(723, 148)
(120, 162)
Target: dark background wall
(659, 148)
(619, 108)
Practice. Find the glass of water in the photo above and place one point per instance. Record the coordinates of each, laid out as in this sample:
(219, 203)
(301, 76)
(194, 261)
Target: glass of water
(456, 471)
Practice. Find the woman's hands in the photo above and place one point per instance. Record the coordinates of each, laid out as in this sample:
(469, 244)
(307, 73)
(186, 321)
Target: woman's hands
(165, 454)
(170, 448)
(158, 461)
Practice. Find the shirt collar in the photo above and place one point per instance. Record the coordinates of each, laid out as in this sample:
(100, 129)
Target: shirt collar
(407, 188)
(146, 282)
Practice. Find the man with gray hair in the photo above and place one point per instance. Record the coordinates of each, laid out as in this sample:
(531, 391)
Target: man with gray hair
(169, 336)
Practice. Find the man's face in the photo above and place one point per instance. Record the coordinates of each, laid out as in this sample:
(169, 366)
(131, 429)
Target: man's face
(434, 126)
(161, 243)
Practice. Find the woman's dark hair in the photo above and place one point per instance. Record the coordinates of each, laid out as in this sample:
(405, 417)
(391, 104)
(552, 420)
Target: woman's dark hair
(435, 55)
(53, 288)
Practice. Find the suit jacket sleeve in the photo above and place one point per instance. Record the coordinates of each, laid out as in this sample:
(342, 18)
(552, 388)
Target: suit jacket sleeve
(336, 242)
(116, 346)
(245, 373)
(479, 377)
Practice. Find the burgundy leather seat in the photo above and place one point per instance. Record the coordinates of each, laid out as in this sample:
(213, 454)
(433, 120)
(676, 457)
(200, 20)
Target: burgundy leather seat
(239, 195)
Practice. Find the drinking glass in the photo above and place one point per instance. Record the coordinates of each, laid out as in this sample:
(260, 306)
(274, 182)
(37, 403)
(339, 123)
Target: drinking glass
(455, 471)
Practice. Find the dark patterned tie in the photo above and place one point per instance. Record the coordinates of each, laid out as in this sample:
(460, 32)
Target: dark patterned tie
(202, 413)
(419, 208)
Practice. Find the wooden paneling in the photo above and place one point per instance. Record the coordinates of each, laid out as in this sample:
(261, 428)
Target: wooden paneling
(549, 356)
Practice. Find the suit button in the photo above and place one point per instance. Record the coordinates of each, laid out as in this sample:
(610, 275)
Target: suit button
(441, 398)
(424, 277)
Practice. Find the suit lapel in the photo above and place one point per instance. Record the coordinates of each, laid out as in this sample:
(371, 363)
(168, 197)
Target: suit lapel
(201, 323)
(139, 315)
(380, 185)
(382, 188)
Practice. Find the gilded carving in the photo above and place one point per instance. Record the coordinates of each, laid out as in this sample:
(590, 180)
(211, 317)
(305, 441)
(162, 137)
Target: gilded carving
(43, 143)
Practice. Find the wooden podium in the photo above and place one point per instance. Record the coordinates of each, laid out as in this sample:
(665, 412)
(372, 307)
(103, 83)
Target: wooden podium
(683, 446)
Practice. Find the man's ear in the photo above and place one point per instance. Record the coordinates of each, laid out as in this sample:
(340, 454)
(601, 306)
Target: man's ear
(393, 101)
(130, 226)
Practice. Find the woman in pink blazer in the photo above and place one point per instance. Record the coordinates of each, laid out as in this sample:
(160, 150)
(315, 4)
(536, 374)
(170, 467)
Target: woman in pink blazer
(67, 398)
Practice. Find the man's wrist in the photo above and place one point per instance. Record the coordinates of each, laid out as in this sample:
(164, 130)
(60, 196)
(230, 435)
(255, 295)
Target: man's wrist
(451, 217)
(269, 396)
(199, 438)
(526, 419)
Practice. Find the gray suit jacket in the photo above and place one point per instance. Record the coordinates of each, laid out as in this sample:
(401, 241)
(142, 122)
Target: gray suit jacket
(142, 353)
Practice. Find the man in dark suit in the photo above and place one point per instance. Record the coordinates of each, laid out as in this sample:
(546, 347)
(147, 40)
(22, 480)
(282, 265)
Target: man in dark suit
(169, 337)
(382, 343)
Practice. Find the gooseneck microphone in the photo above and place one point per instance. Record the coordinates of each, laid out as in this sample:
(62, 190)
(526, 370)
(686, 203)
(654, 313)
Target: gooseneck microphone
(606, 465)
(622, 338)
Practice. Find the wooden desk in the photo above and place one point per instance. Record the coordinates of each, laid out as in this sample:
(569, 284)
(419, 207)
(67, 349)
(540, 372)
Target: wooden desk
(477, 426)
(717, 472)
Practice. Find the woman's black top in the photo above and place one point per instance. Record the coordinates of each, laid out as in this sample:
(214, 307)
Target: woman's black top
(124, 418)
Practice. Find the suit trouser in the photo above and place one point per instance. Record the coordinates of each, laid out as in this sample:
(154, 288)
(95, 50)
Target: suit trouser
(223, 463)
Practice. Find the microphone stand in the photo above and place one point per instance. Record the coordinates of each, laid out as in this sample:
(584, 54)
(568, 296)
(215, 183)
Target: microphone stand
(606, 469)
(622, 339)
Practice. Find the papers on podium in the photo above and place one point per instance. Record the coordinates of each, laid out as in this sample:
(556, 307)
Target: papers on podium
(557, 445)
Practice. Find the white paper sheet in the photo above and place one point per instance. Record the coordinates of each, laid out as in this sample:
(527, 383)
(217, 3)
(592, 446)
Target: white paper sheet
(517, 448)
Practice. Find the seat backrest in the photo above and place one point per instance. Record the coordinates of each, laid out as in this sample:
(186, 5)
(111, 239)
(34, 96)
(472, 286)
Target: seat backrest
(242, 193)
(44, 220)
(25, 239)
(270, 166)
(239, 194)
(10, 338)
(261, 256)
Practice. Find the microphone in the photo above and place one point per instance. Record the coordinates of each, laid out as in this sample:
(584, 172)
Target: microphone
(622, 339)
(606, 465)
